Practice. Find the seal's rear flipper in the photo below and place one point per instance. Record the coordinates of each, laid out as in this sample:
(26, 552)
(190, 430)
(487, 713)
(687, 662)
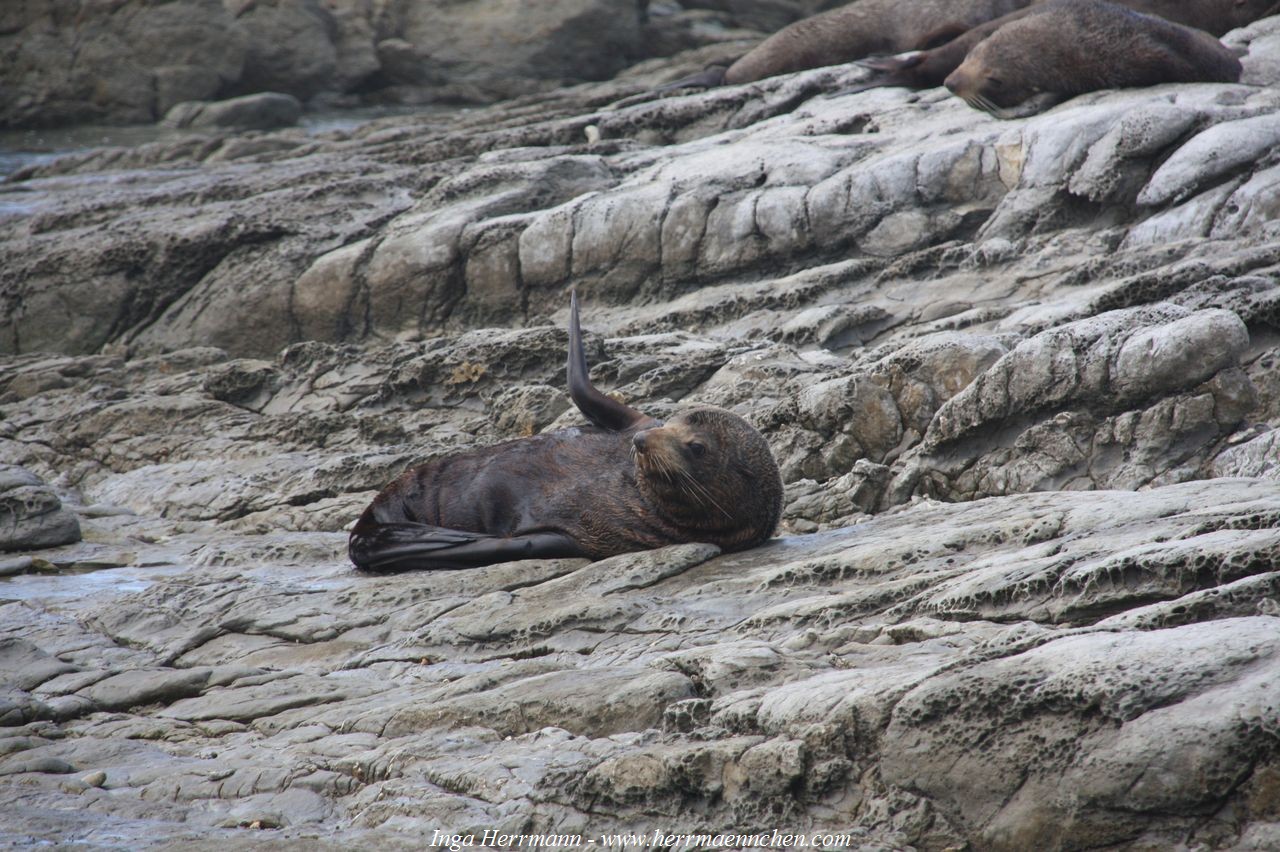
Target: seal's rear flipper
(403, 547)
(605, 412)
(902, 69)
(708, 79)
(895, 62)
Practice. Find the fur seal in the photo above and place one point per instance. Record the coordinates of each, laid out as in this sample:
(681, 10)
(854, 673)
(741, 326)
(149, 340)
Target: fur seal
(630, 482)
(923, 69)
(1068, 47)
(895, 31)
(854, 31)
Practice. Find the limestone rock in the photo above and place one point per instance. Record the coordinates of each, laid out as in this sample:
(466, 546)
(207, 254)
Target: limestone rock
(1022, 378)
(95, 65)
(562, 39)
(31, 515)
(250, 112)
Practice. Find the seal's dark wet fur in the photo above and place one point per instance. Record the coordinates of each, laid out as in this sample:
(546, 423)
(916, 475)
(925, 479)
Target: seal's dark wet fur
(1070, 47)
(626, 483)
(926, 68)
(853, 31)
(917, 43)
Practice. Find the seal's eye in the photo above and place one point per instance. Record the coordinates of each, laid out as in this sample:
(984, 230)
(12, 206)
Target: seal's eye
(697, 450)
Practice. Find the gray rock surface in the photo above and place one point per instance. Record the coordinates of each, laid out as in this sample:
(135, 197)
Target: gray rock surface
(1022, 379)
(132, 61)
(263, 111)
(31, 515)
(122, 62)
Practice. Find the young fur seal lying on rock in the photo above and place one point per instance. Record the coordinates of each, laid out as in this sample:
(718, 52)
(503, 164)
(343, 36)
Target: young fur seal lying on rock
(1069, 47)
(628, 483)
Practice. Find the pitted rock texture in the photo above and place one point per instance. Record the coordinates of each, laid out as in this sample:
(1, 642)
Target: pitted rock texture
(1022, 379)
(31, 515)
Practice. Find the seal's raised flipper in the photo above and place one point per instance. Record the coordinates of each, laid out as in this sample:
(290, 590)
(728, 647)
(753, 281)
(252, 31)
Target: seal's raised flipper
(706, 79)
(605, 412)
(401, 547)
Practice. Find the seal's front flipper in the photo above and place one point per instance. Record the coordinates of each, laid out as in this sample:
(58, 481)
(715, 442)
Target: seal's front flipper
(895, 62)
(404, 547)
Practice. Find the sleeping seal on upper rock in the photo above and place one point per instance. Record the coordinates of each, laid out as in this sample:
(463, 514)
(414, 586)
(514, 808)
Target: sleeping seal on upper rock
(925, 69)
(855, 31)
(1069, 47)
(917, 43)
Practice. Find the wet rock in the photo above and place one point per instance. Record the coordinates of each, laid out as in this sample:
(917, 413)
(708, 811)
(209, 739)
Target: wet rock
(141, 686)
(291, 48)
(9, 567)
(26, 665)
(17, 707)
(249, 384)
(263, 111)
(527, 410)
(71, 70)
(1139, 705)
(31, 515)
(1191, 167)
(484, 41)
(1257, 457)
(42, 765)
(1025, 419)
(246, 702)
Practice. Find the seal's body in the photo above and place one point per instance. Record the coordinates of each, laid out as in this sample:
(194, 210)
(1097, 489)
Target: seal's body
(855, 31)
(1070, 47)
(627, 483)
(927, 68)
(917, 43)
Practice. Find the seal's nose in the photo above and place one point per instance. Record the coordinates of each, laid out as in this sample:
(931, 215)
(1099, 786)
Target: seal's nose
(639, 440)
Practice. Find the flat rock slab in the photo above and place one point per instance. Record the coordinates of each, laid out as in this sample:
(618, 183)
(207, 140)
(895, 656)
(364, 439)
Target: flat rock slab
(710, 690)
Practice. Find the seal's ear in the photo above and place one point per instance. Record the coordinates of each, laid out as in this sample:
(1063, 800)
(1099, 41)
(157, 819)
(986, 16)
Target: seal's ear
(599, 409)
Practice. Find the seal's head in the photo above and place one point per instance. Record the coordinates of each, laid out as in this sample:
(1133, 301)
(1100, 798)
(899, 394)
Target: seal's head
(710, 471)
(1000, 77)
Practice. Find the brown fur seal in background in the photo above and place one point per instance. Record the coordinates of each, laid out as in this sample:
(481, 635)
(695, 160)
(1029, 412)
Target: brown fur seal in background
(629, 483)
(1069, 47)
(928, 68)
(855, 31)
(895, 30)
